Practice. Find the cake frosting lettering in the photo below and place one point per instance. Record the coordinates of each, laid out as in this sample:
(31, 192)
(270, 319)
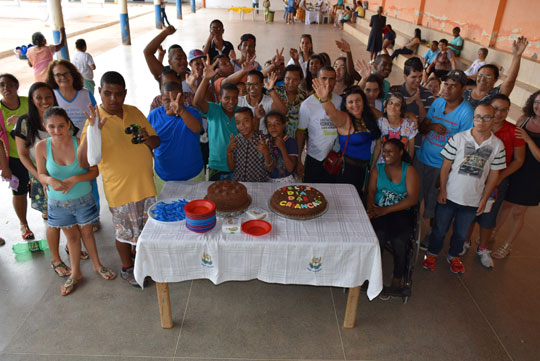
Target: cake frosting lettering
(298, 201)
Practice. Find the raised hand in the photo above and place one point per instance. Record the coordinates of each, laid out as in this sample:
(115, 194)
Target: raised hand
(270, 81)
(232, 144)
(161, 51)
(362, 68)
(294, 55)
(176, 104)
(278, 58)
(93, 115)
(169, 30)
(321, 90)
(249, 64)
(209, 69)
(343, 45)
(278, 141)
(262, 145)
(232, 55)
(519, 45)
(259, 112)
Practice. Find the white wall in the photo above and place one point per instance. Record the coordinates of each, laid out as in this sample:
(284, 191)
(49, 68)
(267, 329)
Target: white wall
(275, 5)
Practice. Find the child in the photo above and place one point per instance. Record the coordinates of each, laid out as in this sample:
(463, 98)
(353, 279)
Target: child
(248, 154)
(266, 5)
(242, 89)
(469, 173)
(85, 64)
(126, 168)
(71, 205)
(283, 149)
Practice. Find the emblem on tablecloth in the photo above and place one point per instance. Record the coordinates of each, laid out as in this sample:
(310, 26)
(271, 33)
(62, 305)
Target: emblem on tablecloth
(206, 260)
(315, 265)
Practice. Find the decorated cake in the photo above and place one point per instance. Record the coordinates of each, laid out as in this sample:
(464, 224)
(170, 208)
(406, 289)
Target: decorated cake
(298, 201)
(228, 196)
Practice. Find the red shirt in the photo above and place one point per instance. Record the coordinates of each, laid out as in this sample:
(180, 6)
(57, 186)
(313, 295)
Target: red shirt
(507, 134)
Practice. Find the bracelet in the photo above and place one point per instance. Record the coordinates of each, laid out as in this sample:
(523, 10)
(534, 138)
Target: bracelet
(270, 90)
(323, 101)
(269, 164)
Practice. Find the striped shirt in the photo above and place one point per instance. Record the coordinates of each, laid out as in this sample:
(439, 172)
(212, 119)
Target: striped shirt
(471, 165)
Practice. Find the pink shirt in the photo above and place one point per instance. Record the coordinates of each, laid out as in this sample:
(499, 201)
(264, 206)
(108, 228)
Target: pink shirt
(41, 57)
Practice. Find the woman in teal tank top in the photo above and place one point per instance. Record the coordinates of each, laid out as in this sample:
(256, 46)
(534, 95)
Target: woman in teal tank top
(71, 206)
(393, 191)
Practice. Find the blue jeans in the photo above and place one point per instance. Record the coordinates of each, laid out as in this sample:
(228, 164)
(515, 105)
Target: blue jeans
(463, 217)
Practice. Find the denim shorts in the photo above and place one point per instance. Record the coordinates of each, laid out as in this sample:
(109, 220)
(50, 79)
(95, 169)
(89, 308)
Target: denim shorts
(80, 211)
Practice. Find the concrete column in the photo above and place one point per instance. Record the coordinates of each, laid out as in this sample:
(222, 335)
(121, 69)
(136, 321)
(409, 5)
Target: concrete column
(193, 8)
(179, 9)
(157, 10)
(496, 26)
(124, 23)
(57, 23)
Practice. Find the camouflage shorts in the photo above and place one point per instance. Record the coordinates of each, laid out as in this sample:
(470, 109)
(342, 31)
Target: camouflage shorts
(129, 219)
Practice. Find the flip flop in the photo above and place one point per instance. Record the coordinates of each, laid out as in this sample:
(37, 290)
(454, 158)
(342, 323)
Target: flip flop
(61, 265)
(69, 286)
(106, 273)
(26, 233)
(84, 255)
(96, 226)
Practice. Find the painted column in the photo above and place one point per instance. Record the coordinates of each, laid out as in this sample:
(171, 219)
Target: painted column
(157, 10)
(496, 26)
(204, 4)
(193, 9)
(179, 9)
(124, 23)
(57, 24)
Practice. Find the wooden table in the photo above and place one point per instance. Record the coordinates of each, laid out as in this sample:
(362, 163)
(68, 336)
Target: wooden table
(338, 249)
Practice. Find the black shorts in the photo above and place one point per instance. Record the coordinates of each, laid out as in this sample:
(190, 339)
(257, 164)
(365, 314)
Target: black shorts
(20, 171)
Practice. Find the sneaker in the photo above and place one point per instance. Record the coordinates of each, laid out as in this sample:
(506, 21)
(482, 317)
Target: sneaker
(456, 266)
(128, 276)
(485, 257)
(466, 247)
(429, 262)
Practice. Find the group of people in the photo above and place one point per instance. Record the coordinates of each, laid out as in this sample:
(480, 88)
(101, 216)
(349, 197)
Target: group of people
(221, 115)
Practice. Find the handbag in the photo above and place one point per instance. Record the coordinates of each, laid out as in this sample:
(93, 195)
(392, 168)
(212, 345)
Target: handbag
(334, 162)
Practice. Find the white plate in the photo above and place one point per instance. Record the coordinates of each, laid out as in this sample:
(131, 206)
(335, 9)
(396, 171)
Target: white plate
(167, 201)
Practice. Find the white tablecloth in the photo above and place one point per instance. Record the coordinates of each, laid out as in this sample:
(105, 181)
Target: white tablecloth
(337, 249)
(313, 16)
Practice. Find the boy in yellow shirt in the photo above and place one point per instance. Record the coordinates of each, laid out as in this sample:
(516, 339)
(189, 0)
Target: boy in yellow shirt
(126, 168)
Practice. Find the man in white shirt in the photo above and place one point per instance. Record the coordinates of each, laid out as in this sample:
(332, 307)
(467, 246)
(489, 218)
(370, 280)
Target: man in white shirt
(321, 130)
(469, 173)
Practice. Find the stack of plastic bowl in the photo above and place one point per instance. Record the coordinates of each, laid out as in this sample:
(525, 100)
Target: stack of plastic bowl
(200, 215)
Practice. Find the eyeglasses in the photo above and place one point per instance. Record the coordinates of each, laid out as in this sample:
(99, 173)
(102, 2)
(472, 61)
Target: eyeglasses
(484, 118)
(502, 110)
(62, 75)
(537, 102)
(487, 76)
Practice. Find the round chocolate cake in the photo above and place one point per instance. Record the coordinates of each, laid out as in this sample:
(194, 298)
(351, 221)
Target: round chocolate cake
(228, 196)
(299, 202)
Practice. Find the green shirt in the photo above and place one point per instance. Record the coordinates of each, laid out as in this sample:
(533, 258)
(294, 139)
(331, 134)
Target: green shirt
(6, 112)
(220, 128)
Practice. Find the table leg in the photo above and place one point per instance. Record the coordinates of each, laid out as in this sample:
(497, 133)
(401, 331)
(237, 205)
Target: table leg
(164, 304)
(352, 307)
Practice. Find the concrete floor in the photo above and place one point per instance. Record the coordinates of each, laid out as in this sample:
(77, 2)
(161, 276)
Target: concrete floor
(481, 315)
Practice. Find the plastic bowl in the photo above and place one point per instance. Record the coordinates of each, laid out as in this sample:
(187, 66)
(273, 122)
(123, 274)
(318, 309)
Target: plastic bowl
(200, 209)
(256, 227)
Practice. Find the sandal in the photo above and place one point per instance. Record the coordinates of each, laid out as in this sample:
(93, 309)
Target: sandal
(61, 265)
(84, 254)
(106, 273)
(69, 286)
(2, 241)
(26, 233)
(45, 216)
(503, 251)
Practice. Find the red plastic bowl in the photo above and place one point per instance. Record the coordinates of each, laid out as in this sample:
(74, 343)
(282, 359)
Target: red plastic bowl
(256, 227)
(200, 208)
